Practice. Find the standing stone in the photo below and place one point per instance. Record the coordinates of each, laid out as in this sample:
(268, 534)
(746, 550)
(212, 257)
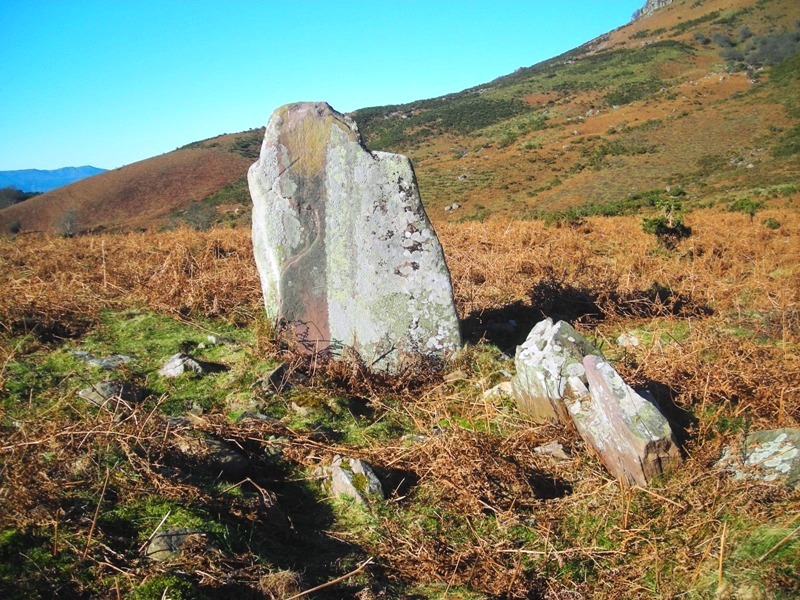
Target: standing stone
(630, 434)
(550, 370)
(345, 251)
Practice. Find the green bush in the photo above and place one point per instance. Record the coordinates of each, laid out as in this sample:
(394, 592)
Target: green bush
(746, 206)
(771, 223)
(668, 227)
(668, 231)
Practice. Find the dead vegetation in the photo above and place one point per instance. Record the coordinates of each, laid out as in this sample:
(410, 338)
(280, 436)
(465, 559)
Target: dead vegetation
(472, 511)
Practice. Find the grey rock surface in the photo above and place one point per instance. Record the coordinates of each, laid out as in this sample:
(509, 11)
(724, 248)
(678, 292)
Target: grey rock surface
(351, 478)
(104, 392)
(103, 362)
(167, 543)
(178, 364)
(346, 254)
(181, 363)
(627, 430)
(651, 6)
(550, 370)
(769, 456)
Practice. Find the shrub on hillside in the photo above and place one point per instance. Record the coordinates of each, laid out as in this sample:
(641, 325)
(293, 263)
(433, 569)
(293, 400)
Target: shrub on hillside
(668, 227)
(746, 206)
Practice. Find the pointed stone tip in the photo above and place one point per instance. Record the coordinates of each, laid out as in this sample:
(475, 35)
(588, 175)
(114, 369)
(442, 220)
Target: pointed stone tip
(298, 119)
(319, 108)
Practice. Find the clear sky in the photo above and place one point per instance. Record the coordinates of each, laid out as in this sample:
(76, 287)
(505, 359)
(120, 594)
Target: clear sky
(111, 82)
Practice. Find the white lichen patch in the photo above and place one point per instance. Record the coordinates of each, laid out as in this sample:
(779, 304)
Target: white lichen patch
(769, 456)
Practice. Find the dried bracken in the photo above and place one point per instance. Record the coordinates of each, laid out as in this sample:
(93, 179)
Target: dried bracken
(471, 506)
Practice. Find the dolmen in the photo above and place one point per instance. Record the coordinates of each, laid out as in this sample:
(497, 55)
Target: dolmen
(347, 257)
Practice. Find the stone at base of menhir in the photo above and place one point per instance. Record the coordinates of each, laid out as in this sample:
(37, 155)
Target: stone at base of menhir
(628, 432)
(346, 254)
(550, 371)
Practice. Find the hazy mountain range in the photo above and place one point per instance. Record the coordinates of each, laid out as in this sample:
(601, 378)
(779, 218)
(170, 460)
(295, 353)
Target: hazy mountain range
(38, 180)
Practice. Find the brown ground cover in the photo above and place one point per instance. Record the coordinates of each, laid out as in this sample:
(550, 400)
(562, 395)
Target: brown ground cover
(472, 511)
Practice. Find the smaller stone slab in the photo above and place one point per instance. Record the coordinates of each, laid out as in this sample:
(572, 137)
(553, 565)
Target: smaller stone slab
(351, 478)
(107, 363)
(769, 456)
(103, 392)
(628, 432)
(167, 543)
(550, 370)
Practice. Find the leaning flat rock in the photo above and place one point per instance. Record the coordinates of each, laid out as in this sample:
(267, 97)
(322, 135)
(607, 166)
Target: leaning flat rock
(346, 254)
(550, 370)
(632, 437)
(770, 456)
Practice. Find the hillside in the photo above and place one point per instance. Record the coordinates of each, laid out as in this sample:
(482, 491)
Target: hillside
(192, 184)
(699, 96)
(39, 180)
(691, 95)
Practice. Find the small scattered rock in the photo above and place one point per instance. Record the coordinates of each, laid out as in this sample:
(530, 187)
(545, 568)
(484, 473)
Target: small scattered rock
(455, 376)
(181, 363)
(167, 543)
(554, 449)
(101, 393)
(500, 391)
(218, 340)
(107, 363)
(178, 364)
(414, 437)
(628, 340)
(302, 411)
(770, 456)
(352, 478)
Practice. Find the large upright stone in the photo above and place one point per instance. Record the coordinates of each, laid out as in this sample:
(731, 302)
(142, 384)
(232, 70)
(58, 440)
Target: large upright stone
(629, 433)
(345, 251)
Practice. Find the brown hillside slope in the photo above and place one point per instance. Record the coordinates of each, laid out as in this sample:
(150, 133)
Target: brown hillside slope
(141, 194)
(656, 103)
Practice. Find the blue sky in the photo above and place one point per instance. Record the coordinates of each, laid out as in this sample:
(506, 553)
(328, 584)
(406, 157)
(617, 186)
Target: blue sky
(111, 82)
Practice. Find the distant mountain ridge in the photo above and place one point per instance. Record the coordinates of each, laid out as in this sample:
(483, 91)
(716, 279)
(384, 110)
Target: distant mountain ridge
(40, 180)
